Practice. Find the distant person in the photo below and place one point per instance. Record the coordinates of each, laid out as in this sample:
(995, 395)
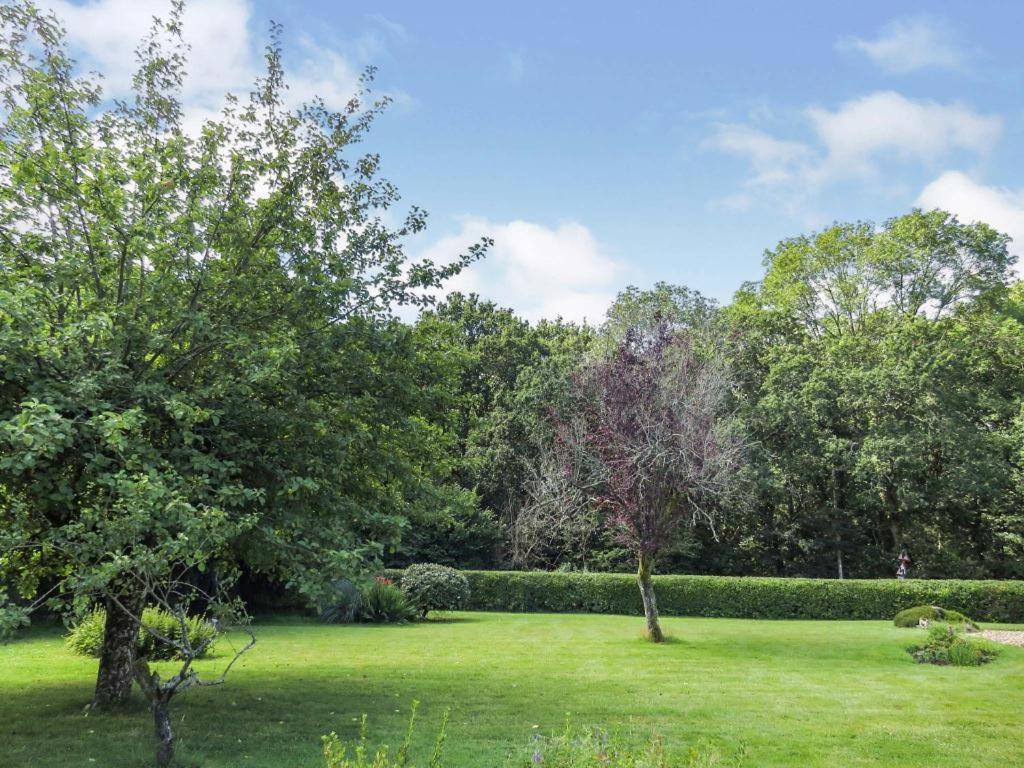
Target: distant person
(904, 560)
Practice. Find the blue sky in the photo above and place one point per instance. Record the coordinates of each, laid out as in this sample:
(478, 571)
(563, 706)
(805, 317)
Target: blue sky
(609, 144)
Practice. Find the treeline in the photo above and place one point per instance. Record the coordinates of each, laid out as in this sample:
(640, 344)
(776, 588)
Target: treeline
(877, 374)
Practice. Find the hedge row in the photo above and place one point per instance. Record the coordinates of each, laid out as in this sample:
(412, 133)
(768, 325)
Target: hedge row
(741, 597)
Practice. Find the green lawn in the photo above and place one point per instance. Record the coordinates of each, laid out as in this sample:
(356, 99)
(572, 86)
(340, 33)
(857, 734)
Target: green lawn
(793, 693)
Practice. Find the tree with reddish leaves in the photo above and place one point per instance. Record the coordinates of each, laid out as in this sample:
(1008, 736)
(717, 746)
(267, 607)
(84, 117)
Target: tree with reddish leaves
(649, 437)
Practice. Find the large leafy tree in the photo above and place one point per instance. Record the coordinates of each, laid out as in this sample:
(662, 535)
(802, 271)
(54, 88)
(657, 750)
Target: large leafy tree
(199, 369)
(680, 307)
(505, 373)
(880, 395)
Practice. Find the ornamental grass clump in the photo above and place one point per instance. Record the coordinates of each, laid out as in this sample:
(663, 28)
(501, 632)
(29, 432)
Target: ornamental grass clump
(384, 603)
(344, 603)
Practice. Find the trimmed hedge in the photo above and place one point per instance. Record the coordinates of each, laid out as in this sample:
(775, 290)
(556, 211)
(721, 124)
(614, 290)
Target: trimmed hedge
(741, 597)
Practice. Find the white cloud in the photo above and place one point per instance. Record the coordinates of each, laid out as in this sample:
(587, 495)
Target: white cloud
(541, 272)
(958, 193)
(863, 138)
(103, 34)
(224, 53)
(887, 122)
(773, 160)
(321, 72)
(391, 27)
(906, 45)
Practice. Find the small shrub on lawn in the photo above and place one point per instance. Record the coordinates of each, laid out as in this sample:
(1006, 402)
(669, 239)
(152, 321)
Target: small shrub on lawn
(599, 749)
(337, 754)
(430, 587)
(911, 617)
(86, 637)
(344, 603)
(945, 646)
(384, 603)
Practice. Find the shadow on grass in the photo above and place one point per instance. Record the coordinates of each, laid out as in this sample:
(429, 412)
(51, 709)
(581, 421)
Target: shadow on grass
(270, 718)
(669, 642)
(448, 618)
(434, 619)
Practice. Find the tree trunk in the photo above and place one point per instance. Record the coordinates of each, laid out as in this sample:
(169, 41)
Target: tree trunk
(117, 654)
(164, 735)
(643, 579)
(835, 521)
(159, 704)
(892, 505)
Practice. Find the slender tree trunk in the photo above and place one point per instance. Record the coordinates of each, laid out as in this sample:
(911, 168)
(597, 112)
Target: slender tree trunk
(159, 704)
(164, 735)
(643, 579)
(117, 654)
(893, 506)
(835, 521)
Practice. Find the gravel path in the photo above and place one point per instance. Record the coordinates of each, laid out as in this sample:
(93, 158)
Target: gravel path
(1006, 636)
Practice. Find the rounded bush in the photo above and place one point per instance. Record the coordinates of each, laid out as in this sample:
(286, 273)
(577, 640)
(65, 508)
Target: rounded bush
(429, 587)
(86, 637)
(911, 617)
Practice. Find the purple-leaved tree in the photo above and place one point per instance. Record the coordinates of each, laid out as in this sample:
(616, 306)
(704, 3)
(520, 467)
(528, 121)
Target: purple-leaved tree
(649, 438)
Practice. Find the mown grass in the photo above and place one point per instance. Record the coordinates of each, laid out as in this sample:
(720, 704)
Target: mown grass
(791, 693)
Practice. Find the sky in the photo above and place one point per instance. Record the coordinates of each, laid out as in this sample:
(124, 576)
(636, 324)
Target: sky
(610, 144)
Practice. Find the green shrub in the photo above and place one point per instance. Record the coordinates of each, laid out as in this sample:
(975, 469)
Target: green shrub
(946, 646)
(384, 603)
(911, 617)
(12, 618)
(430, 587)
(337, 755)
(344, 603)
(741, 597)
(86, 637)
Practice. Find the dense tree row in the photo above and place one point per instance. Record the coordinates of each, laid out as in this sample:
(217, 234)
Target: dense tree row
(879, 378)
